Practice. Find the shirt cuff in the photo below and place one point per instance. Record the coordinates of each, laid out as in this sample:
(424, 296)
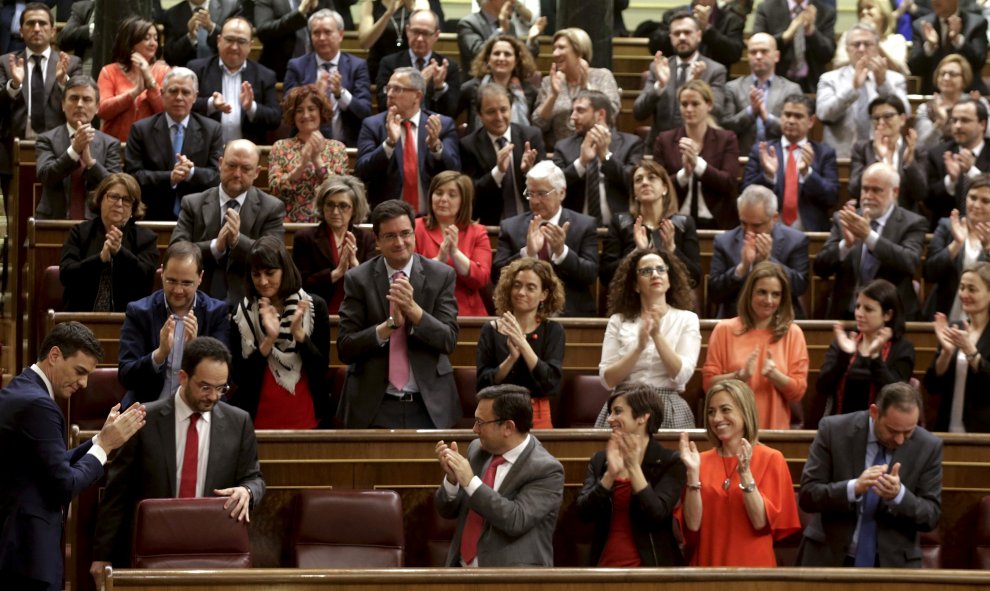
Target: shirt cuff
(682, 178)
(450, 489)
(97, 451)
(388, 149)
(700, 166)
(439, 93)
(900, 496)
(851, 490)
(217, 253)
(871, 239)
(210, 107)
(844, 249)
(579, 168)
(497, 175)
(472, 486)
(560, 259)
(251, 112)
(345, 99)
(72, 153)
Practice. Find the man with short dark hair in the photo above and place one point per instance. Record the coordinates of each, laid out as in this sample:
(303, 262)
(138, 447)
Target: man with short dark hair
(873, 481)
(506, 517)
(39, 476)
(398, 325)
(721, 31)
(951, 163)
(946, 30)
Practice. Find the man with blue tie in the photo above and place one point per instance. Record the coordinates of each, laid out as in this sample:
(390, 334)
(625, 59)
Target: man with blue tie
(873, 481)
(342, 76)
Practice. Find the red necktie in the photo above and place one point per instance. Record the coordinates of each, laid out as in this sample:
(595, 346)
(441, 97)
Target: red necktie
(398, 355)
(77, 193)
(410, 180)
(472, 527)
(190, 459)
(790, 212)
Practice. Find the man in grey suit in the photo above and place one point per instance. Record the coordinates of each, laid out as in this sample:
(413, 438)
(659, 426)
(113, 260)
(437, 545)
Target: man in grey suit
(73, 158)
(753, 103)
(659, 95)
(398, 324)
(505, 517)
(804, 34)
(156, 464)
(873, 480)
(225, 221)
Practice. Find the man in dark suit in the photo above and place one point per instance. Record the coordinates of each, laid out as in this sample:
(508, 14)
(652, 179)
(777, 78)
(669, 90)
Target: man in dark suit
(225, 221)
(343, 77)
(398, 324)
(155, 327)
(237, 92)
(759, 237)
(73, 158)
(191, 29)
(492, 18)
(564, 238)
(174, 153)
(506, 494)
(815, 170)
(193, 446)
(806, 37)
(721, 32)
(873, 481)
(946, 30)
(659, 96)
(77, 34)
(282, 30)
(490, 151)
(40, 477)
(951, 163)
(385, 163)
(880, 241)
(598, 160)
(442, 75)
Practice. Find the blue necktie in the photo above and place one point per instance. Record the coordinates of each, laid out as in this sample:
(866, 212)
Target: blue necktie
(870, 265)
(177, 138)
(866, 545)
(174, 359)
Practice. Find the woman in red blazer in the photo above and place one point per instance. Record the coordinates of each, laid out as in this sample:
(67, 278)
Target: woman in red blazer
(702, 158)
(448, 235)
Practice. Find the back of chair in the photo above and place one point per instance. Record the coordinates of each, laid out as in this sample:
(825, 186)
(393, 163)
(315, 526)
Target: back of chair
(465, 380)
(931, 548)
(89, 407)
(981, 546)
(348, 529)
(189, 533)
(581, 399)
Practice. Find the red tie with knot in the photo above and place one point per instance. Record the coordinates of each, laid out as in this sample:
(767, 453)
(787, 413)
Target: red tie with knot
(474, 522)
(190, 459)
(410, 178)
(790, 209)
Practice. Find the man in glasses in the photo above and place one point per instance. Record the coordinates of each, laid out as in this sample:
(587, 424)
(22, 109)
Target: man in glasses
(193, 445)
(155, 327)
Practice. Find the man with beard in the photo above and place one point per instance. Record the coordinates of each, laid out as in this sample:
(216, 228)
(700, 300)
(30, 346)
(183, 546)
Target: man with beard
(721, 31)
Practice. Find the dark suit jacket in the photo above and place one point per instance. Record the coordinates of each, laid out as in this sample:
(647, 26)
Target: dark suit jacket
(938, 201)
(735, 112)
(429, 343)
(579, 269)
(383, 175)
(816, 195)
(478, 160)
(627, 151)
(55, 167)
(774, 16)
(620, 241)
(976, 411)
(200, 222)
(146, 465)
(519, 518)
(663, 106)
(942, 272)
(276, 24)
(353, 76)
(74, 36)
(14, 111)
(899, 253)
(468, 101)
(445, 104)
(179, 49)
(139, 337)
(974, 48)
(837, 455)
(472, 32)
(267, 117)
(914, 182)
(40, 479)
(148, 156)
(790, 251)
(718, 183)
(312, 256)
(722, 41)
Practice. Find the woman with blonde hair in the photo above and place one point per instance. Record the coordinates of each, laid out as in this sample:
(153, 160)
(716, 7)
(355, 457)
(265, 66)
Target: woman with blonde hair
(504, 60)
(951, 77)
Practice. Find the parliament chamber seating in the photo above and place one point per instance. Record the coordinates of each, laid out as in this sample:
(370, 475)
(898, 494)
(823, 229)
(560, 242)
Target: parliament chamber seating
(189, 533)
(981, 543)
(348, 529)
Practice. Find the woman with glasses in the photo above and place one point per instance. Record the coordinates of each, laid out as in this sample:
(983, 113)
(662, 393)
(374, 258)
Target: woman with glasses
(633, 486)
(893, 46)
(280, 340)
(324, 253)
(952, 77)
(448, 235)
(652, 336)
(762, 347)
(522, 346)
(503, 60)
(298, 165)
(109, 261)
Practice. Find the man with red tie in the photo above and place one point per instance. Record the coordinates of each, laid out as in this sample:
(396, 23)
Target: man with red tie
(506, 516)
(206, 447)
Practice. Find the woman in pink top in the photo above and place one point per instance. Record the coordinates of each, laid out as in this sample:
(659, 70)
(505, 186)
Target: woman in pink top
(762, 347)
(130, 86)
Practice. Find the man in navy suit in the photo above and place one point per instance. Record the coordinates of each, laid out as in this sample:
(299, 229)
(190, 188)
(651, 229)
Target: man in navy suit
(237, 92)
(815, 164)
(385, 137)
(40, 477)
(498, 193)
(759, 237)
(148, 367)
(281, 26)
(174, 153)
(564, 238)
(342, 76)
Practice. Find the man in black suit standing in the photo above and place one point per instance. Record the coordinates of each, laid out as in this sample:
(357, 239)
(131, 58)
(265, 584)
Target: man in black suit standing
(73, 158)
(947, 30)
(721, 32)
(281, 26)
(191, 29)
(952, 163)
(174, 153)
(805, 36)
(77, 34)
(498, 155)
(598, 161)
(237, 92)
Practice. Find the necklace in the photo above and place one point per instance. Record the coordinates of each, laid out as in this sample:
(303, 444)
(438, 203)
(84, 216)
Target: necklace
(399, 26)
(728, 474)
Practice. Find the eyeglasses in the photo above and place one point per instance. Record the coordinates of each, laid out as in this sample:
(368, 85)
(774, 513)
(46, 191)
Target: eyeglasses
(883, 116)
(116, 198)
(481, 423)
(236, 40)
(950, 74)
(207, 389)
(649, 271)
(169, 282)
(391, 236)
(420, 33)
(538, 194)
(396, 89)
(341, 207)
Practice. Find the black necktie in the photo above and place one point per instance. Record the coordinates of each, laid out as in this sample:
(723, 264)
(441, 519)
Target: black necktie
(508, 185)
(37, 96)
(593, 191)
(420, 64)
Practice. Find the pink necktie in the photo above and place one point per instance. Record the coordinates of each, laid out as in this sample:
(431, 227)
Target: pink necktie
(398, 355)
(472, 526)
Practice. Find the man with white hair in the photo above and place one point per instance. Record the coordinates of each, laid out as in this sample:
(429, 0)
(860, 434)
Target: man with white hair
(564, 238)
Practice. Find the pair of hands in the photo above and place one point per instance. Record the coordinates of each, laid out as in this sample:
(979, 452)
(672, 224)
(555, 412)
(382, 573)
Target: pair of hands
(83, 138)
(558, 77)
(182, 170)
(595, 144)
(805, 20)
(885, 485)
(246, 98)
(166, 335)
(507, 326)
(230, 232)
(448, 247)
(691, 457)
(885, 147)
(847, 341)
(748, 370)
(504, 156)
(624, 451)
(16, 68)
(958, 163)
(541, 233)
(312, 150)
(111, 245)
(855, 226)
(271, 319)
(200, 18)
(768, 159)
(960, 231)
(456, 468)
(394, 125)
(649, 328)
(435, 73)
(756, 247)
(404, 307)
(347, 254)
(931, 36)
(953, 339)
(642, 238)
(661, 69)
(329, 83)
(866, 64)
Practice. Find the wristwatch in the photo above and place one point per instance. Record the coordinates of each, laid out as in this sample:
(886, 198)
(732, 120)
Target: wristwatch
(747, 488)
(391, 323)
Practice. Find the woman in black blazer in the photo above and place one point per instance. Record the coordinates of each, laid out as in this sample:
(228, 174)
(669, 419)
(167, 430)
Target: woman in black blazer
(108, 261)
